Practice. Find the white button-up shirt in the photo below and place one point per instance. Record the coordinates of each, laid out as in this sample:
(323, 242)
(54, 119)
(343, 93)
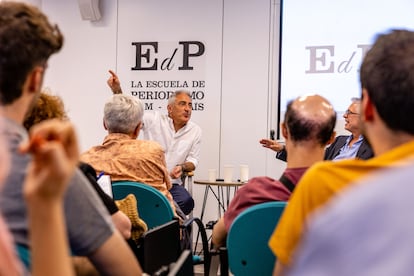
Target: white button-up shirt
(181, 146)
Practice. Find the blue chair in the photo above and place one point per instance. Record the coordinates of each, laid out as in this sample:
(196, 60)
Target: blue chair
(247, 240)
(24, 255)
(153, 207)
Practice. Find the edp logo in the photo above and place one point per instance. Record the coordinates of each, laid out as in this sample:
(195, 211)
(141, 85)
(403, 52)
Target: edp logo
(148, 56)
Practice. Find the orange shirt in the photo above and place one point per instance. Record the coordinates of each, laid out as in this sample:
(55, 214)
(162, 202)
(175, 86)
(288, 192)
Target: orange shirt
(124, 158)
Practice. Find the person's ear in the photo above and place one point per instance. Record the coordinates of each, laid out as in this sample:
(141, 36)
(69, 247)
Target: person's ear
(367, 107)
(169, 109)
(137, 129)
(284, 130)
(104, 124)
(35, 79)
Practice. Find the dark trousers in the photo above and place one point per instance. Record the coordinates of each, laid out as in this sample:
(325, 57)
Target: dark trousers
(183, 198)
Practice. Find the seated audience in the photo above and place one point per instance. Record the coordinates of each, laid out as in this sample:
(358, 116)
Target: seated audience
(344, 146)
(366, 231)
(31, 40)
(308, 128)
(122, 155)
(386, 113)
(49, 106)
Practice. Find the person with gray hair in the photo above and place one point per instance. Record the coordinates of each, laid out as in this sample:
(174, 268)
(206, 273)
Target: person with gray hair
(121, 155)
(180, 138)
(121, 114)
(344, 146)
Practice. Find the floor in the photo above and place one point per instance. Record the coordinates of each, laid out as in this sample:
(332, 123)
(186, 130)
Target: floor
(199, 270)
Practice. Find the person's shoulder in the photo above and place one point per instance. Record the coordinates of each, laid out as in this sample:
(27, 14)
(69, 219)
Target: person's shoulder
(193, 127)
(150, 145)
(78, 177)
(384, 181)
(82, 194)
(327, 178)
(86, 168)
(319, 173)
(261, 181)
(329, 165)
(364, 199)
(192, 124)
(341, 138)
(318, 167)
(87, 154)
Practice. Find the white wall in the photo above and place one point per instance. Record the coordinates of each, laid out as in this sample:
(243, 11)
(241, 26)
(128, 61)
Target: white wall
(241, 71)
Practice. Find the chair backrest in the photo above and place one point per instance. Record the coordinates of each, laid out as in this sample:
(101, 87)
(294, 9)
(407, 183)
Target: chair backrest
(159, 246)
(153, 207)
(183, 266)
(247, 240)
(24, 255)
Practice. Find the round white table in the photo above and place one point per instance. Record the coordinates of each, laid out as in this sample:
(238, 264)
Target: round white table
(222, 195)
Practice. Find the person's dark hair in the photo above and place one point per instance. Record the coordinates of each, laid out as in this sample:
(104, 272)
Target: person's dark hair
(27, 40)
(387, 73)
(305, 129)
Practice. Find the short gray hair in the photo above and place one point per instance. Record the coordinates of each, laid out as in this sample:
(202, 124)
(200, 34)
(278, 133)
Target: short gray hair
(171, 99)
(122, 114)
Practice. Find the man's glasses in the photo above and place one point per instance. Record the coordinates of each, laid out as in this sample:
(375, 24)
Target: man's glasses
(349, 112)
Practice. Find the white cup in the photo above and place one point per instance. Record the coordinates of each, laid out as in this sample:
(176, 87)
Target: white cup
(244, 173)
(228, 173)
(212, 175)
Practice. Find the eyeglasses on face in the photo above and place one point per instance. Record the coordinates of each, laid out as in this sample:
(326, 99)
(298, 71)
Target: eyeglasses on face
(349, 112)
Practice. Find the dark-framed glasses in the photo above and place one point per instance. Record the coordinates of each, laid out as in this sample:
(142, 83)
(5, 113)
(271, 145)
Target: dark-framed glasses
(349, 112)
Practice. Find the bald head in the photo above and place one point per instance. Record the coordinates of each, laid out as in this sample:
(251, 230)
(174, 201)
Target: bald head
(310, 117)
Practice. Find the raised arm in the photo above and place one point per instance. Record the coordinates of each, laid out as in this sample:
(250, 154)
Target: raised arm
(114, 83)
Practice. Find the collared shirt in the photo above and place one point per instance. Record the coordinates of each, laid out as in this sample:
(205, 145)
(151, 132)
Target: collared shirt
(181, 146)
(348, 152)
(124, 158)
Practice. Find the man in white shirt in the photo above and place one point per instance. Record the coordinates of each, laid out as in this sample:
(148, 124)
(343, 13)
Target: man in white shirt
(180, 138)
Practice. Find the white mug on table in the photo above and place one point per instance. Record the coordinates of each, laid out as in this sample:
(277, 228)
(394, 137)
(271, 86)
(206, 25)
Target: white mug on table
(228, 173)
(244, 173)
(212, 175)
